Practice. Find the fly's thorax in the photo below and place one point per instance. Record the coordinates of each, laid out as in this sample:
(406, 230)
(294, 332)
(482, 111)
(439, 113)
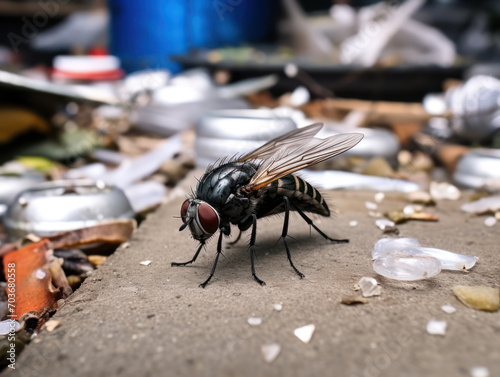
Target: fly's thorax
(218, 184)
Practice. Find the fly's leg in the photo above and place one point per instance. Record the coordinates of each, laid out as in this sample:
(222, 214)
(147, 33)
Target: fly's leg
(236, 240)
(252, 251)
(219, 252)
(310, 222)
(176, 264)
(284, 234)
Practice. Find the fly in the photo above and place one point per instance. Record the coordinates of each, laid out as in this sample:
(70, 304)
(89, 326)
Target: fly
(261, 184)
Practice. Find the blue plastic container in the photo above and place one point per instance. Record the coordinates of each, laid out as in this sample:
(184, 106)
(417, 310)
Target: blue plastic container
(145, 33)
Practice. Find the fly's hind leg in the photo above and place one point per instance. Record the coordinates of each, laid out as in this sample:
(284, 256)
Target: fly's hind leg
(310, 222)
(176, 264)
(284, 234)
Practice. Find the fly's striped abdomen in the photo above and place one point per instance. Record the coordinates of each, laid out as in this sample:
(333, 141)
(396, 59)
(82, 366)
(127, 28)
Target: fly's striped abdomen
(303, 194)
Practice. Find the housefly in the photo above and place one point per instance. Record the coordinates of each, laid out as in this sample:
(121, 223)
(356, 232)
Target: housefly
(261, 184)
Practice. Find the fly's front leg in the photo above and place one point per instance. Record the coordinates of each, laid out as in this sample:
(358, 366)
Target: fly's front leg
(310, 222)
(284, 234)
(219, 252)
(176, 264)
(252, 251)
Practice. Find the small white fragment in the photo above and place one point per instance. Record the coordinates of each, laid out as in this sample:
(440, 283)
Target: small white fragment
(379, 197)
(479, 372)
(270, 352)
(300, 96)
(444, 190)
(305, 333)
(52, 324)
(7, 326)
(483, 205)
(254, 321)
(278, 307)
(371, 206)
(375, 214)
(384, 223)
(448, 309)
(369, 287)
(436, 327)
(40, 274)
(490, 221)
(145, 262)
(409, 210)
(353, 223)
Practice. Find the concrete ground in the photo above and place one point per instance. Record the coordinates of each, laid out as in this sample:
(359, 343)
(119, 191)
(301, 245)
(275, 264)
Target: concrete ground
(133, 320)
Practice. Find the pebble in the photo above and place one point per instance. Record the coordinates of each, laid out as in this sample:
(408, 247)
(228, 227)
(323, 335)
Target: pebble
(145, 263)
(379, 197)
(270, 352)
(278, 307)
(254, 321)
(371, 206)
(490, 221)
(384, 223)
(353, 223)
(305, 333)
(444, 190)
(436, 327)
(479, 297)
(369, 287)
(479, 372)
(448, 309)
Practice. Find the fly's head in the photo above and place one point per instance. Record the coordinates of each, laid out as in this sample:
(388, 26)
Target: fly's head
(201, 218)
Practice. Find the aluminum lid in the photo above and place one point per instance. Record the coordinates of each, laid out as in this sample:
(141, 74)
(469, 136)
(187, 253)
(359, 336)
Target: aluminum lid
(51, 209)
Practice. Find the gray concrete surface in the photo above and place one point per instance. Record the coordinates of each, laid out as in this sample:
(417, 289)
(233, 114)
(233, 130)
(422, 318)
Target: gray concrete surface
(134, 320)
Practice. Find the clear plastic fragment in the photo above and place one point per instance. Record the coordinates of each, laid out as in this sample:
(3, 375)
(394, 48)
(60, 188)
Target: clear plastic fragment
(407, 268)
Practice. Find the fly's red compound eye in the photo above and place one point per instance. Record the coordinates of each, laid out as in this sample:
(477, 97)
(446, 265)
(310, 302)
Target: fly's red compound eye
(209, 219)
(184, 209)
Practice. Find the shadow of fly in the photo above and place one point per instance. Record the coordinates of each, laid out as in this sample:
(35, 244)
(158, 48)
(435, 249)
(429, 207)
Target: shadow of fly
(261, 184)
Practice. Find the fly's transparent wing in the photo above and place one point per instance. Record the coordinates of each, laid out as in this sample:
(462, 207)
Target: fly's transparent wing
(289, 139)
(292, 159)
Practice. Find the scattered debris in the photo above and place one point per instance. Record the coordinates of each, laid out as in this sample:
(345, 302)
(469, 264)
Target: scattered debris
(278, 307)
(400, 216)
(353, 300)
(436, 327)
(305, 333)
(371, 206)
(410, 247)
(448, 309)
(479, 371)
(384, 223)
(483, 205)
(369, 287)
(270, 352)
(353, 223)
(421, 197)
(52, 324)
(97, 260)
(254, 321)
(444, 190)
(407, 268)
(490, 221)
(145, 263)
(479, 297)
(379, 197)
